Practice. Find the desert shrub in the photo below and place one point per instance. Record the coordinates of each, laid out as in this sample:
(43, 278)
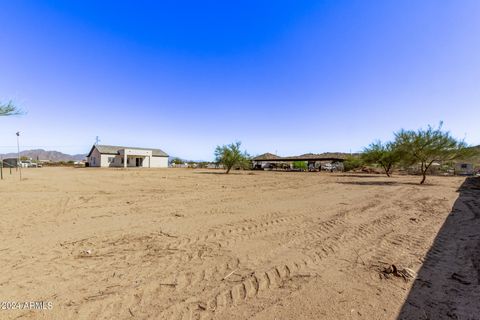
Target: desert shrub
(302, 165)
(352, 163)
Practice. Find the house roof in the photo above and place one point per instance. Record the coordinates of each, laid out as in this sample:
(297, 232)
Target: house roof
(105, 149)
(266, 156)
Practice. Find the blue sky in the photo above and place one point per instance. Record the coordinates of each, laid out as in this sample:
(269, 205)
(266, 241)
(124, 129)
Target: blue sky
(281, 76)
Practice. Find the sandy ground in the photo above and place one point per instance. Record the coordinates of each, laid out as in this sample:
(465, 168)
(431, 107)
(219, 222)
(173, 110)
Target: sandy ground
(191, 244)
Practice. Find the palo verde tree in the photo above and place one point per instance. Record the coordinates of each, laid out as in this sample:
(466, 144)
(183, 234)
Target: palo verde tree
(384, 154)
(9, 109)
(352, 162)
(424, 147)
(231, 155)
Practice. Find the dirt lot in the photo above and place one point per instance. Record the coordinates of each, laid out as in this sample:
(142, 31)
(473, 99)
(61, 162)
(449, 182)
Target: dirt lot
(185, 244)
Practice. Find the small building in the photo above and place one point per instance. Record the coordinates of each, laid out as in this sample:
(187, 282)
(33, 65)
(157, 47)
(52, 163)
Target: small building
(117, 156)
(464, 169)
(10, 162)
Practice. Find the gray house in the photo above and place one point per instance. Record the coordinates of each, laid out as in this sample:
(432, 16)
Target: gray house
(118, 156)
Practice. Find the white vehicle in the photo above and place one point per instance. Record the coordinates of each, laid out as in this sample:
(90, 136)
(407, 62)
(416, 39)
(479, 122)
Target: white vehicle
(28, 164)
(332, 167)
(328, 167)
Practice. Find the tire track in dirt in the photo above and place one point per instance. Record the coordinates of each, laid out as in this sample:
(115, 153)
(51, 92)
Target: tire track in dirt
(270, 278)
(311, 258)
(411, 246)
(310, 230)
(253, 229)
(305, 235)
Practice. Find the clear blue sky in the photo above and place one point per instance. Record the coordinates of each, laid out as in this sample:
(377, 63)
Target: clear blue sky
(281, 76)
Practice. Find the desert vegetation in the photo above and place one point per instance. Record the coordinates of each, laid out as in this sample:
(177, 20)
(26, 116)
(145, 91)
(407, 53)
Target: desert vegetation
(384, 154)
(300, 165)
(422, 147)
(231, 155)
(352, 162)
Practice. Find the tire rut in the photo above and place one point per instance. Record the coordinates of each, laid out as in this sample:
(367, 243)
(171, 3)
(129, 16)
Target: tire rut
(265, 279)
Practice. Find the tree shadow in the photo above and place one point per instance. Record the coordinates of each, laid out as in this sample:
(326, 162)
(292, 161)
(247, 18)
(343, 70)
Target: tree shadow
(209, 172)
(448, 283)
(360, 175)
(370, 183)
(383, 183)
(233, 173)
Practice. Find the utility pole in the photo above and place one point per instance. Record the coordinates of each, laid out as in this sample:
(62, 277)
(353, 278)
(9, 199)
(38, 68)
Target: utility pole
(97, 140)
(18, 154)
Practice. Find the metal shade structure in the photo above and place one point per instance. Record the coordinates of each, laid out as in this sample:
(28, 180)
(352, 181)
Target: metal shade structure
(268, 157)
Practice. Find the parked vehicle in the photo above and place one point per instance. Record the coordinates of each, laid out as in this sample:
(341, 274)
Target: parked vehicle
(28, 164)
(328, 167)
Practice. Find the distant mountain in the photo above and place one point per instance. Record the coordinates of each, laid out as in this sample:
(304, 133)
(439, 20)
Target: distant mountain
(40, 154)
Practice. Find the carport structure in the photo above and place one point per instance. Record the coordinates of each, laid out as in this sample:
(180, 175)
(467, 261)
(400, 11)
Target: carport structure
(311, 158)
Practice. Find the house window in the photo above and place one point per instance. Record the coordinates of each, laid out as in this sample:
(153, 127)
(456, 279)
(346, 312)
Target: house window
(128, 160)
(111, 159)
(123, 161)
(464, 166)
(93, 160)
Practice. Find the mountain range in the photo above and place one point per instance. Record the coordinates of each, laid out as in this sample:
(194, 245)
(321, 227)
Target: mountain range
(40, 154)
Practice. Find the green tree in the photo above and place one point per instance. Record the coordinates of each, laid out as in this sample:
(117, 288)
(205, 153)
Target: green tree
(302, 165)
(231, 155)
(384, 154)
(9, 109)
(425, 147)
(352, 162)
(177, 161)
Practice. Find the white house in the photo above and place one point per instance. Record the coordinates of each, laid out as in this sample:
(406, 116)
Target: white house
(116, 156)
